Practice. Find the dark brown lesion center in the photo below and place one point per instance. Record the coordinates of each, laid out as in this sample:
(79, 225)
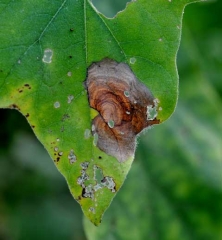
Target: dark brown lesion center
(123, 103)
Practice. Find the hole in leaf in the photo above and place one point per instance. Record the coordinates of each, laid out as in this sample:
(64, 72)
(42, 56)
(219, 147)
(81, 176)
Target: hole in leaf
(110, 8)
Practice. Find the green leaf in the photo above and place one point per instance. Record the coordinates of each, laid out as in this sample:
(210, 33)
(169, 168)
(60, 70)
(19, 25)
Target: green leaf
(174, 189)
(46, 48)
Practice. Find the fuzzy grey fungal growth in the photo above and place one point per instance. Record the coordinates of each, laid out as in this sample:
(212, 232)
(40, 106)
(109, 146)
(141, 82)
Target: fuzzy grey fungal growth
(72, 157)
(101, 181)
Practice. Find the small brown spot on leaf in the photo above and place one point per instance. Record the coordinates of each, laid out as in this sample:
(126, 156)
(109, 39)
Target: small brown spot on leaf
(57, 159)
(20, 91)
(14, 106)
(33, 126)
(27, 115)
(71, 29)
(79, 198)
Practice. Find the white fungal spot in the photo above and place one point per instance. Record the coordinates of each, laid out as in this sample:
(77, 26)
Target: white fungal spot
(102, 181)
(56, 149)
(87, 134)
(72, 157)
(160, 39)
(95, 139)
(19, 61)
(89, 192)
(92, 209)
(126, 93)
(57, 139)
(109, 183)
(127, 112)
(156, 101)
(111, 123)
(47, 57)
(60, 153)
(56, 104)
(70, 98)
(152, 111)
(132, 60)
(93, 128)
(82, 178)
(84, 165)
(97, 187)
(69, 74)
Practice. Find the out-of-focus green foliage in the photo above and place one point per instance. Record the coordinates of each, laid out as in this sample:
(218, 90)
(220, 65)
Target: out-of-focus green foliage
(175, 185)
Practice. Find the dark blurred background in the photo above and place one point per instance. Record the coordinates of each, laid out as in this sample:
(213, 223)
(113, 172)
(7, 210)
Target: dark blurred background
(181, 159)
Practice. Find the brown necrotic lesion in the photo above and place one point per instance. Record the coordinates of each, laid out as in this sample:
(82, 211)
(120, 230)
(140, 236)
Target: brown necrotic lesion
(122, 102)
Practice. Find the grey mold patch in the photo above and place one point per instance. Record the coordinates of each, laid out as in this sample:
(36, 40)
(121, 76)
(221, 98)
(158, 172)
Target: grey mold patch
(101, 181)
(84, 165)
(88, 193)
(152, 111)
(72, 157)
(109, 183)
(81, 180)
